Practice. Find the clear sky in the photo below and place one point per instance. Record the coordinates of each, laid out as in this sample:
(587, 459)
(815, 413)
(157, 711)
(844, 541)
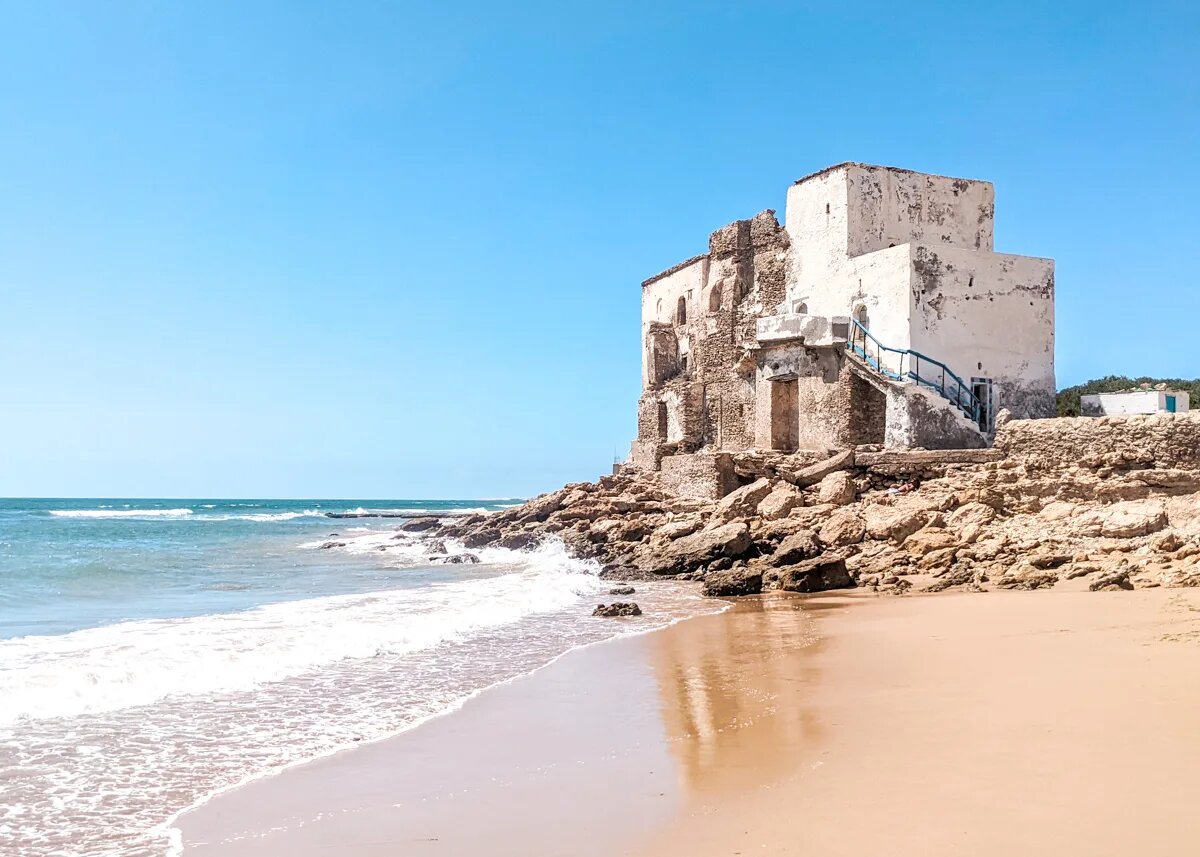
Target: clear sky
(386, 249)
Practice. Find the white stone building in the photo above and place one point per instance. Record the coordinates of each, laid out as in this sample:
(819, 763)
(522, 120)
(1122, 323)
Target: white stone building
(1134, 402)
(878, 313)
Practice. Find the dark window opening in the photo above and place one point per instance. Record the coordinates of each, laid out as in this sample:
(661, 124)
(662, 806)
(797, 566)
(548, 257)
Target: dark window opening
(681, 312)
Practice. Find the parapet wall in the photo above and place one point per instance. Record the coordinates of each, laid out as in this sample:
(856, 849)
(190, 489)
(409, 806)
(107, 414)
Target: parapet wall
(1138, 440)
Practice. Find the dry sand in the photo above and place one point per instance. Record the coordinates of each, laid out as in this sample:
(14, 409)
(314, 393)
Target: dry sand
(1061, 723)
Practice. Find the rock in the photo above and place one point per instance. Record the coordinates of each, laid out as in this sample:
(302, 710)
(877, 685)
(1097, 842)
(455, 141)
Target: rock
(927, 541)
(735, 581)
(1126, 520)
(677, 529)
(420, 525)
(799, 546)
(327, 545)
(780, 502)
(622, 590)
(742, 502)
(894, 523)
(1111, 581)
(1048, 560)
(971, 513)
(1028, 580)
(517, 541)
(815, 473)
(842, 528)
(960, 577)
(479, 538)
(617, 608)
(730, 540)
(837, 489)
(816, 575)
(435, 546)
(1167, 542)
(457, 559)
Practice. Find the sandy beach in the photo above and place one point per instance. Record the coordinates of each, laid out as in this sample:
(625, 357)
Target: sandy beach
(983, 724)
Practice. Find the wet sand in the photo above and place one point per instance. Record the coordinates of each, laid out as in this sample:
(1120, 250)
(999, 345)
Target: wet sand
(976, 724)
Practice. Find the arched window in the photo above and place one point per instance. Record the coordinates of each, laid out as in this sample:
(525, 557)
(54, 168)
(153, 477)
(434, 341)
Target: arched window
(658, 309)
(860, 315)
(714, 299)
(681, 312)
(802, 309)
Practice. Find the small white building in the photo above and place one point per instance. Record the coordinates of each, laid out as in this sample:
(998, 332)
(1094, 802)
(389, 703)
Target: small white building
(1134, 402)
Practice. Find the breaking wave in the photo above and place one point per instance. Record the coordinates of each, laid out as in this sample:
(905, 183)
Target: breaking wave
(141, 662)
(120, 513)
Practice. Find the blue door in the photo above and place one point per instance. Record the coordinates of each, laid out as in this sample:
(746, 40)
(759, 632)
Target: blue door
(1170, 404)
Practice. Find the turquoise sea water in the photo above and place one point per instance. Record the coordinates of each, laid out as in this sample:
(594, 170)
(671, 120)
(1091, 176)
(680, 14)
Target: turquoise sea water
(71, 564)
(153, 652)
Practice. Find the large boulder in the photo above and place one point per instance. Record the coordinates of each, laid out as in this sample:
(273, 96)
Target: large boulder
(743, 502)
(780, 502)
(686, 553)
(842, 528)
(837, 489)
(735, 581)
(896, 523)
(928, 540)
(517, 541)
(816, 575)
(481, 537)
(1127, 520)
(971, 513)
(799, 546)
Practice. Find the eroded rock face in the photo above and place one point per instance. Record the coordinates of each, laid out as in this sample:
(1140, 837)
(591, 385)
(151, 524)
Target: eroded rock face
(969, 525)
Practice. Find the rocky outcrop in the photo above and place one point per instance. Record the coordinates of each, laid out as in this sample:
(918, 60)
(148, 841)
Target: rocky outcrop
(1025, 517)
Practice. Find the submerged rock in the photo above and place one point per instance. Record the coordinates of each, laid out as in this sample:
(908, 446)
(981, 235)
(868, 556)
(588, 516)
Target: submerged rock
(622, 590)
(457, 559)
(617, 608)
(327, 545)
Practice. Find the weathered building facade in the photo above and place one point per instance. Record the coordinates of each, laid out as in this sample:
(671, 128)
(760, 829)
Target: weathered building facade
(877, 313)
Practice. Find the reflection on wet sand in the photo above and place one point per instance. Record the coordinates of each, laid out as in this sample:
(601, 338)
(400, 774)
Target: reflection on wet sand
(721, 683)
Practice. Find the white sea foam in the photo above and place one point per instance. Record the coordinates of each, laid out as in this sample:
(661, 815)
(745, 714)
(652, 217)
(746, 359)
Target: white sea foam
(105, 512)
(142, 662)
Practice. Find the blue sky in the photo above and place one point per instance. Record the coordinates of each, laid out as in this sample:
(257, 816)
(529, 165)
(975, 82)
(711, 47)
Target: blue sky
(373, 249)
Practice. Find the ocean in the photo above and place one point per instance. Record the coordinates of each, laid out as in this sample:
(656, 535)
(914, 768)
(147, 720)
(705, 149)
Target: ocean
(156, 652)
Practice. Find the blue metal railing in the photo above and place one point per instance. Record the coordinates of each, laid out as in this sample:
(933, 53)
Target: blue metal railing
(904, 364)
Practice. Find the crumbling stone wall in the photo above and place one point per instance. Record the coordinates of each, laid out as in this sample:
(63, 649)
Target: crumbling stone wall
(703, 476)
(1124, 442)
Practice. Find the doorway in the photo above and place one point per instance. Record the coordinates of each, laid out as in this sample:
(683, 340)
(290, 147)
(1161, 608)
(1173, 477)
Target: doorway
(785, 415)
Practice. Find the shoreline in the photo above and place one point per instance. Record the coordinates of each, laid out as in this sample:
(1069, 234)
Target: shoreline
(170, 829)
(829, 725)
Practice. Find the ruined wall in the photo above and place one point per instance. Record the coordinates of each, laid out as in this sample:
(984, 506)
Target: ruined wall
(705, 476)
(889, 207)
(988, 315)
(708, 345)
(1139, 440)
